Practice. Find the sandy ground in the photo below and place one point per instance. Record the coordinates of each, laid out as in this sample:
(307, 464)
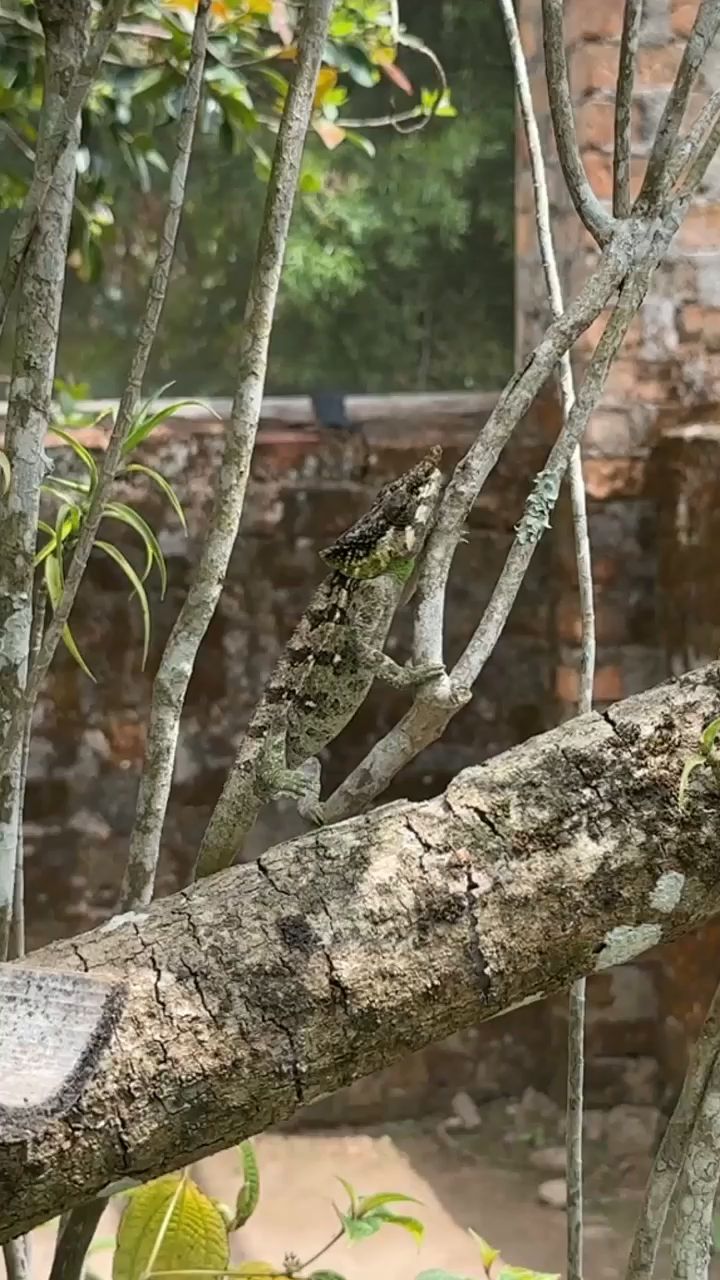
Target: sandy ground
(457, 1190)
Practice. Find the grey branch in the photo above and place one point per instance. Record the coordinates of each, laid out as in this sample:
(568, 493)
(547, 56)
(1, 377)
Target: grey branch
(177, 662)
(671, 1154)
(67, 114)
(130, 400)
(692, 145)
(362, 943)
(695, 1197)
(623, 107)
(589, 209)
(704, 31)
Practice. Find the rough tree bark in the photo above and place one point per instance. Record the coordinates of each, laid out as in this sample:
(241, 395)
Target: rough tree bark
(274, 983)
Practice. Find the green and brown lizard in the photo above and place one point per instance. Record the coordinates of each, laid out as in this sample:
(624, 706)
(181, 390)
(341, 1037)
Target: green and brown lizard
(328, 665)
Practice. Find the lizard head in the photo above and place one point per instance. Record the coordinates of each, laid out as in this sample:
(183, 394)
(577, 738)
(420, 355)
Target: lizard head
(389, 537)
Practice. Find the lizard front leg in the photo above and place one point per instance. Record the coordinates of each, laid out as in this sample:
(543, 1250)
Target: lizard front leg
(397, 676)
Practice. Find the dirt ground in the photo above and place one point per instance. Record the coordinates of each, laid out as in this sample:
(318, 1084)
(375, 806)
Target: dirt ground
(466, 1180)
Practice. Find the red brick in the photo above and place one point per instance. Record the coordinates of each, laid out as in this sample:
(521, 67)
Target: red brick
(614, 477)
(530, 32)
(690, 321)
(608, 684)
(656, 67)
(701, 228)
(610, 623)
(600, 21)
(567, 684)
(593, 67)
(682, 16)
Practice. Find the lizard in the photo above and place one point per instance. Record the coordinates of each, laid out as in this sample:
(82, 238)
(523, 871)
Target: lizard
(330, 661)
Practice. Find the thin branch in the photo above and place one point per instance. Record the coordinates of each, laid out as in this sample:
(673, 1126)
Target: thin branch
(178, 659)
(18, 920)
(127, 409)
(74, 1239)
(42, 177)
(700, 164)
(691, 1247)
(704, 31)
(689, 148)
(671, 1153)
(623, 107)
(589, 209)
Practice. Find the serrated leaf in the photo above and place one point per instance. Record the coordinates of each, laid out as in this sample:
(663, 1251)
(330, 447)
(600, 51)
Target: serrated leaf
(153, 551)
(162, 484)
(487, 1252)
(136, 583)
(688, 769)
(368, 1203)
(195, 1235)
(5, 472)
(249, 1193)
(710, 734)
(54, 582)
(80, 451)
(413, 1226)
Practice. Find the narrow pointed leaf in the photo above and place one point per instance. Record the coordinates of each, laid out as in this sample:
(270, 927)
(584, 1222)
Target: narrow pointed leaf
(487, 1252)
(5, 472)
(711, 733)
(120, 511)
(65, 487)
(79, 449)
(54, 583)
(688, 769)
(369, 1203)
(146, 425)
(351, 1194)
(135, 582)
(249, 1193)
(162, 484)
(413, 1226)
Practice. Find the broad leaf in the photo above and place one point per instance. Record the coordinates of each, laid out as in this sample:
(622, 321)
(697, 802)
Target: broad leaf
(194, 1237)
(360, 1228)
(250, 1269)
(438, 1273)
(137, 585)
(413, 1226)
(325, 1275)
(249, 1193)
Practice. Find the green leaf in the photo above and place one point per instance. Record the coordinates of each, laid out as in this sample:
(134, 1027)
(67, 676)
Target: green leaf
(49, 546)
(59, 487)
(523, 1273)
(145, 425)
(325, 1275)
(5, 472)
(361, 142)
(351, 1194)
(688, 769)
(194, 1237)
(163, 484)
(369, 1203)
(249, 1193)
(54, 582)
(136, 583)
(153, 551)
(487, 1251)
(710, 734)
(413, 1226)
(360, 1228)
(258, 1269)
(83, 454)
(438, 1273)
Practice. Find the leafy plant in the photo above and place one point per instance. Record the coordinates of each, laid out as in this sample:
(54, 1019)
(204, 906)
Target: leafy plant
(706, 756)
(73, 499)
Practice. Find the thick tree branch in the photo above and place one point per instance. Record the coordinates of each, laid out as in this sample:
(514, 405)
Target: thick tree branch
(587, 206)
(363, 942)
(194, 618)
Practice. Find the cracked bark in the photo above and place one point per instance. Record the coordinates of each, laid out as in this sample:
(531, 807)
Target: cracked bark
(362, 942)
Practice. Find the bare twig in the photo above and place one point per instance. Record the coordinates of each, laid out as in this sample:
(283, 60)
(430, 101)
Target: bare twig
(704, 31)
(689, 147)
(623, 107)
(700, 163)
(74, 1239)
(130, 400)
(18, 920)
(672, 1150)
(67, 113)
(589, 209)
(695, 1196)
(177, 661)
